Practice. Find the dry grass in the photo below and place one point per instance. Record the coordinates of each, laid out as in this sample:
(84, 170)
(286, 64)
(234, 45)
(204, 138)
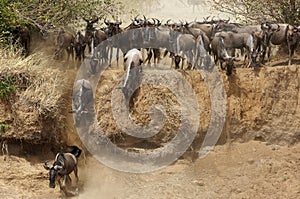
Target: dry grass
(41, 84)
(39, 99)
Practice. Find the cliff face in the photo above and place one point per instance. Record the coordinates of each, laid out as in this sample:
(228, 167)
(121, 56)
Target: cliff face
(261, 105)
(35, 111)
(264, 105)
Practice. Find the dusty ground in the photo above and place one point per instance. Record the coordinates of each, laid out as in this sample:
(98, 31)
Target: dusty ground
(251, 170)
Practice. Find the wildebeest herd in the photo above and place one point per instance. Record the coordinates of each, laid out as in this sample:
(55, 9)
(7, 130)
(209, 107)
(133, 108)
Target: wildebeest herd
(196, 42)
(192, 41)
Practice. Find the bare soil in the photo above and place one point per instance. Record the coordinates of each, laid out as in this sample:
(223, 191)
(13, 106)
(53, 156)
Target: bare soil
(248, 170)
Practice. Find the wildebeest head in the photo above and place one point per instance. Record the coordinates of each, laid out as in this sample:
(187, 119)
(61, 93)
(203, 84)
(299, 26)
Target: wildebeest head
(90, 23)
(292, 35)
(177, 60)
(53, 171)
(113, 28)
(229, 64)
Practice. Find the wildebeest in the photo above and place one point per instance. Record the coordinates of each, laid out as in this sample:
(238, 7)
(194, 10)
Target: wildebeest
(79, 46)
(206, 27)
(83, 100)
(286, 35)
(263, 33)
(132, 64)
(113, 28)
(97, 36)
(185, 45)
(149, 37)
(64, 41)
(4, 148)
(221, 55)
(202, 43)
(24, 38)
(240, 41)
(64, 164)
(159, 39)
(21, 36)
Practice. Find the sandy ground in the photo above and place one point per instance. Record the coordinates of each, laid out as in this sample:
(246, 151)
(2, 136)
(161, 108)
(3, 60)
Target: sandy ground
(251, 170)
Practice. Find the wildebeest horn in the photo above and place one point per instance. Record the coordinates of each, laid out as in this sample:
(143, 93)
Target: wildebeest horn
(95, 20)
(158, 22)
(136, 17)
(57, 167)
(212, 19)
(106, 22)
(154, 21)
(227, 20)
(168, 22)
(136, 23)
(278, 27)
(205, 18)
(46, 165)
(85, 20)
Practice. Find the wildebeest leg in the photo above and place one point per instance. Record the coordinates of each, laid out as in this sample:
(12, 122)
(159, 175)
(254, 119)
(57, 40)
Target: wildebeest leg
(118, 52)
(68, 181)
(182, 63)
(248, 57)
(105, 54)
(57, 53)
(291, 53)
(265, 50)
(269, 53)
(190, 60)
(70, 53)
(26, 48)
(172, 56)
(63, 184)
(4, 147)
(149, 56)
(165, 53)
(156, 52)
(110, 49)
(77, 179)
(221, 65)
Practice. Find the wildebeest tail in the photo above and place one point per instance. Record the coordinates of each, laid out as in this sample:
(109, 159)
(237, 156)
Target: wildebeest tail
(74, 150)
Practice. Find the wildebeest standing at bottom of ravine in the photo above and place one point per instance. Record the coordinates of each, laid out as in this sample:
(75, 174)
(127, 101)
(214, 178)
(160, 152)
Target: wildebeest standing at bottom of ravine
(64, 164)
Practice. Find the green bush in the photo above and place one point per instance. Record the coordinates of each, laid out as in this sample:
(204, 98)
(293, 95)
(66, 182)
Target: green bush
(256, 11)
(45, 15)
(7, 87)
(3, 127)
